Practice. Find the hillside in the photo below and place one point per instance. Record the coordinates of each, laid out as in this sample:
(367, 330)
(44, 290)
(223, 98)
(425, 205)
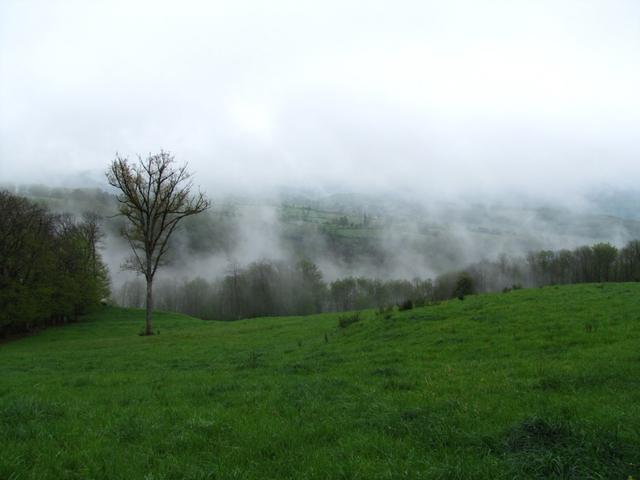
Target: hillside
(538, 383)
(382, 236)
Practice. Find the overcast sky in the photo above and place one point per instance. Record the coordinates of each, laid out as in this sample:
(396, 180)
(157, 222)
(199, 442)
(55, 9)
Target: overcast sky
(444, 96)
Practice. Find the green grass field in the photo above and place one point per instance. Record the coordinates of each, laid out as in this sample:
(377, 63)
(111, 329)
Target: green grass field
(538, 383)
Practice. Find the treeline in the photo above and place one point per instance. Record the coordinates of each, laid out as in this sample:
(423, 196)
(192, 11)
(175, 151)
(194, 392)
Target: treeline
(601, 262)
(272, 288)
(261, 289)
(278, 288)
(65, 199)
(50, 267)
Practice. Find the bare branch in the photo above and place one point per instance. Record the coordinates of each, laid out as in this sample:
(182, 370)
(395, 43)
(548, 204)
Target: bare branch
(154, 195)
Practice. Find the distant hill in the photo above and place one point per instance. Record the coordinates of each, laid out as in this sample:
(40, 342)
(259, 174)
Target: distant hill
(619, 203)
(348, 233)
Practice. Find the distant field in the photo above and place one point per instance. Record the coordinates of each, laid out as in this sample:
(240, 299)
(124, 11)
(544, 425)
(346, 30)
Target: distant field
(538, 383)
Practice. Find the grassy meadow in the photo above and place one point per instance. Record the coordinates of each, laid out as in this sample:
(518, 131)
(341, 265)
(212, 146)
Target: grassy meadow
(541, 383)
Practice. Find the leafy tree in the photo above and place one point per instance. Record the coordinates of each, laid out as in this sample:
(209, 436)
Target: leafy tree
(154, 195)
(628, 264)
(584, 264)
(604, 257)
(82, 277)
(50, 266)
(311, 288)
(343, 292)
(464, 285)
(261, 280)
(25, 263)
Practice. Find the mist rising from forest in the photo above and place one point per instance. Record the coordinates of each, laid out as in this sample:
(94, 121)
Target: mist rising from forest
(385, 237)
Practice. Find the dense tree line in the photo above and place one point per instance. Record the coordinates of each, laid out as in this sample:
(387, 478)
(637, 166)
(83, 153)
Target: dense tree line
(276, 288)
(601, 262)
(50, 267)
(260, 289)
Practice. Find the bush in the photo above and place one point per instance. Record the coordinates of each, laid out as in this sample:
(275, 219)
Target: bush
(345, 320)
(406, 305)
(464, 286)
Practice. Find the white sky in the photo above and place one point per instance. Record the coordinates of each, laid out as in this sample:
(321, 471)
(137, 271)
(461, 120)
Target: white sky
(428, 96)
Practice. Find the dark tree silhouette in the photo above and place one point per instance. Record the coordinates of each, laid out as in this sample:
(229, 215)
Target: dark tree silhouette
(154, 195)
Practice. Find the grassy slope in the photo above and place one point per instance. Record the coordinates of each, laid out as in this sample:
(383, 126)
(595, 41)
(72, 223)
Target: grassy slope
(534, 383)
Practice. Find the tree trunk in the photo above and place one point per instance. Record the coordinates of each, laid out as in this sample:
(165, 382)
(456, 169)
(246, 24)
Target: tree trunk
(149, 327)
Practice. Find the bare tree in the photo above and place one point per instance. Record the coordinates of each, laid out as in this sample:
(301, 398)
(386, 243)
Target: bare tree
(154, 195)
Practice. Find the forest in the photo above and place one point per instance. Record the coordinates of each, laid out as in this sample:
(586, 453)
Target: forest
(51, 270)
(276, 288)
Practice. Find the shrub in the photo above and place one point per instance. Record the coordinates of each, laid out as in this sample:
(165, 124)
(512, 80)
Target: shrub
(345, 320)
(464, 286)
(406, 305)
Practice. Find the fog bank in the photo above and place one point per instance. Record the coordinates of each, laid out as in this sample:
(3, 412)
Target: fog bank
(430, 99)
